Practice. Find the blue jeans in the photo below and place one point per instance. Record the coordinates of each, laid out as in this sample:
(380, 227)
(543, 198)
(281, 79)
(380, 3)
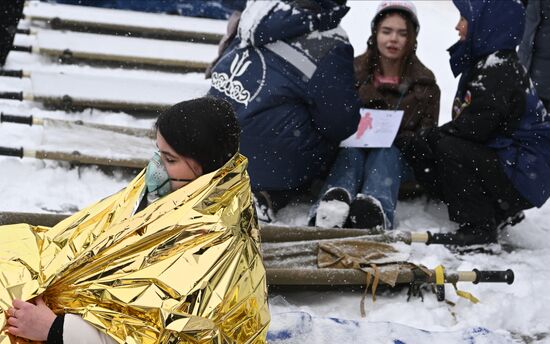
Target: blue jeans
(376, 172)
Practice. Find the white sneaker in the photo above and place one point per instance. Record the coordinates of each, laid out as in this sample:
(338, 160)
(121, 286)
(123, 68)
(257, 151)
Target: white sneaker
(333, 209)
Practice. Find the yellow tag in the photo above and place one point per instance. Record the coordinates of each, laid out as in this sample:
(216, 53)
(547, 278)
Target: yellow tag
(466, 295)
(439, 275)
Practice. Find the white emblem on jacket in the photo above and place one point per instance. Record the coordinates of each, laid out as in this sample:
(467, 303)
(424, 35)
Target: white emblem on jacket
(227, 84)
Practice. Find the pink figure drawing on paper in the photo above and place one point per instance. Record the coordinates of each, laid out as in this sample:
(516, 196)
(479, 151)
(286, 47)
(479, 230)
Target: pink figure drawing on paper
(364, 124)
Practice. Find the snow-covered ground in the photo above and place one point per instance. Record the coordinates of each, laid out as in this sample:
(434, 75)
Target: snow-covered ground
(517, 312)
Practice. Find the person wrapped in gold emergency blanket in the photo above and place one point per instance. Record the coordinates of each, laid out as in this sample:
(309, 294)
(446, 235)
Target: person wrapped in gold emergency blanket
(172, 258)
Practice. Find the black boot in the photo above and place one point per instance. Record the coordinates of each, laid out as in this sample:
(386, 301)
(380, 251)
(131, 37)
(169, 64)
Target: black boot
(511, 220)
(472, 234)
(366, 212)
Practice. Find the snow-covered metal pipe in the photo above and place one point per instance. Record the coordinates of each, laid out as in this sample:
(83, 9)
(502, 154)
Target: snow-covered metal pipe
(73, 157)
(33, 120)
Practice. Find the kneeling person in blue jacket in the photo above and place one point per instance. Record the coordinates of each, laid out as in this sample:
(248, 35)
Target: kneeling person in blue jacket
(493, 159)
(289, 75)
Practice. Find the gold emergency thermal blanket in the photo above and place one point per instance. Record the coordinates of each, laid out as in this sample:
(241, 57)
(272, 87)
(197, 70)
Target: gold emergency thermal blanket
(186, 269)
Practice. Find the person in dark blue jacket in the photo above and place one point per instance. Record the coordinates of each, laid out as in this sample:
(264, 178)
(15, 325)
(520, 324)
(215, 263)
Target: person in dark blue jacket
(534, 50)
(215, 9)
(10, 14)
(493, 159)
(289, 75)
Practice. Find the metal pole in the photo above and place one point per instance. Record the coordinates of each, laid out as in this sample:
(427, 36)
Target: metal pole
(31, 120)
(74, 157)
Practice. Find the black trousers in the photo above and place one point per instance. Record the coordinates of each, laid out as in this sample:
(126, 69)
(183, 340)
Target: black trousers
(467, 176)
(473, 183)
(10, 13)
(419, 154)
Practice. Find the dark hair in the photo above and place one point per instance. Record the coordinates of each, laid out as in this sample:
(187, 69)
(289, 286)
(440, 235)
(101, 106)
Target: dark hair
(340, 2)
(204, 129)
(316, 6)
(372, 46)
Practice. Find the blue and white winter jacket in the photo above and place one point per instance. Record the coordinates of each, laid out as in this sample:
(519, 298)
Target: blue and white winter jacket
(289, 76)
(496, 102)
(534, 51)
(217, 9)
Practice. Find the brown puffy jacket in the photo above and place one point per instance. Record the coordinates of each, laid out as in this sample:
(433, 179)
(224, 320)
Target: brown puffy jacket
(418, 90)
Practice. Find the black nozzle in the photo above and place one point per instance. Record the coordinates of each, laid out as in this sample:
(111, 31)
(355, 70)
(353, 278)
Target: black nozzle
(23, 48)
(494, 276)
(11, 73)
(459, 238)
(442, 238)
(15, 119)
(7, 151)
(23, 31)
(12, 95)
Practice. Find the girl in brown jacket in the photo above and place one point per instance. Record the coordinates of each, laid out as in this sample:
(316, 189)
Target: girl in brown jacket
(362, 187)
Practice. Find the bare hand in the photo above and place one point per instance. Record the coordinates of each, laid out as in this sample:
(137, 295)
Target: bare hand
(30, 321)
